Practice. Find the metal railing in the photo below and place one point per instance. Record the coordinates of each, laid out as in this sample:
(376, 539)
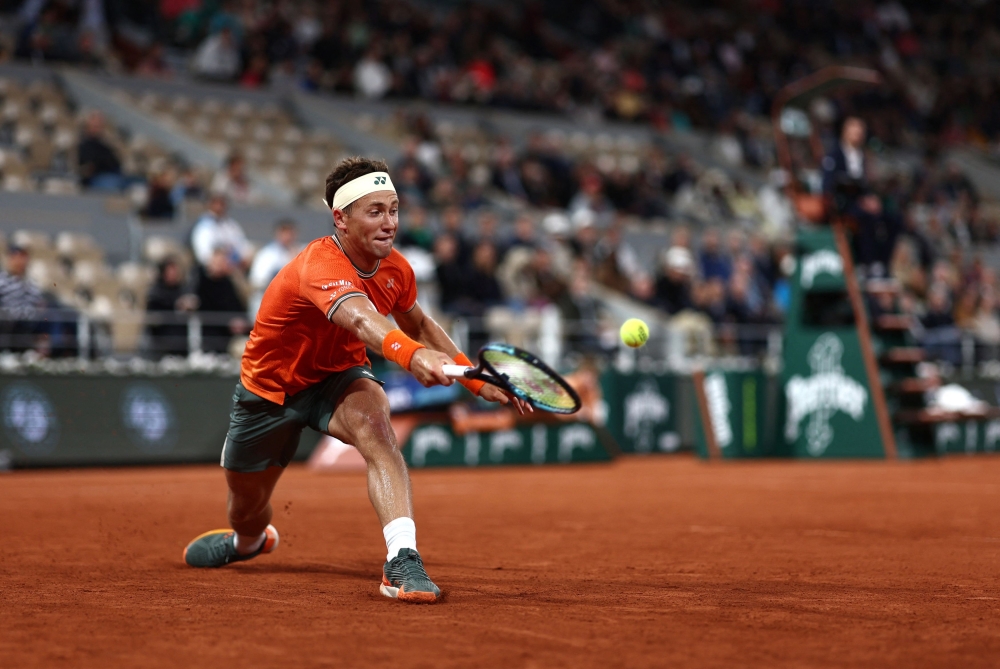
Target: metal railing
(675, 344)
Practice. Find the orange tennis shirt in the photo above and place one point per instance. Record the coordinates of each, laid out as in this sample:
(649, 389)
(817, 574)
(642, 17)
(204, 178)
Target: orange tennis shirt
(293, 344)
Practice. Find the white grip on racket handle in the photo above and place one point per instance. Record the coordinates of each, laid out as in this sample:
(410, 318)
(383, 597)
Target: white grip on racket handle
(455, 371)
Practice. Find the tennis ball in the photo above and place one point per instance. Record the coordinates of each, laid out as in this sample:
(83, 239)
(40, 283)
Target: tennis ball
(634, 332)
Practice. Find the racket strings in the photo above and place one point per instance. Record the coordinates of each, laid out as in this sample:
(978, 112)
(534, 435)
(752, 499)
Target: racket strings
(535, 383)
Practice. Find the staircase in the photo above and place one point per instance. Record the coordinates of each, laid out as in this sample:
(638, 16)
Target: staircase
(919, 429)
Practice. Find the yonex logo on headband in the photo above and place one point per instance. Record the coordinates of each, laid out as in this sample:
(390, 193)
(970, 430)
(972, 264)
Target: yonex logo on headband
(358, 188)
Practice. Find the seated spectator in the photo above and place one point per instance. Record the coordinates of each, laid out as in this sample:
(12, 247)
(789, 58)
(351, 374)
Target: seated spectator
(225, 312)
(414, 230)
(187, 187)
(673, 287)
(21, 304)
(234, 182)
(269, 261)
(451, 276)
(941, 338)
(714, 263)
(216, 230)
(218, 57)
(483, 292)
(159, 197)
(167, 300)
(451, 223)
(986, 326)
(524, 233)
(99, 165)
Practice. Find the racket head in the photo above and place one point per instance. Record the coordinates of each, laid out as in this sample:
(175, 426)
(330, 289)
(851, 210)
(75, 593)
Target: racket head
(529, 378)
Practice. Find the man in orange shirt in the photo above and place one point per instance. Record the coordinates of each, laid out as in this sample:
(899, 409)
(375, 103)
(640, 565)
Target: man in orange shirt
(305, 365)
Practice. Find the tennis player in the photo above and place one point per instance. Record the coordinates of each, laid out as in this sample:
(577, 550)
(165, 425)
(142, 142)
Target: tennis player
(305, 365)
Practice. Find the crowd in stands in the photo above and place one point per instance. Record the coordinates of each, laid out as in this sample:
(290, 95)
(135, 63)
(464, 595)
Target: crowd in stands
(677, 64)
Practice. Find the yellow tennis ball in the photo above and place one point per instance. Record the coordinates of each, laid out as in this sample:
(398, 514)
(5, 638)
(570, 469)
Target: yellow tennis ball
(634, 332)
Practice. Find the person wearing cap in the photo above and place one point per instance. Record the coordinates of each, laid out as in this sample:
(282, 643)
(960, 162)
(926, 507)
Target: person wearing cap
(21, 302)
(306, 365)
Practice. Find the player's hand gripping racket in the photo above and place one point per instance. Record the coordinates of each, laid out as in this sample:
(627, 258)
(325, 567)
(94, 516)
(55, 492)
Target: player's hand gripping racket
(522, 375)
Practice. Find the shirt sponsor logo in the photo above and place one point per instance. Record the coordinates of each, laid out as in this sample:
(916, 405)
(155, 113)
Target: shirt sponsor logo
(341, 283)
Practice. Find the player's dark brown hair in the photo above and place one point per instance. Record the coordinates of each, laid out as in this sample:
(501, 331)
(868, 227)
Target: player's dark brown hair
(350, 169)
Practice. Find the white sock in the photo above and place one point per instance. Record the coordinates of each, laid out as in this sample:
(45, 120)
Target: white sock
(399, 533)
(245, 545)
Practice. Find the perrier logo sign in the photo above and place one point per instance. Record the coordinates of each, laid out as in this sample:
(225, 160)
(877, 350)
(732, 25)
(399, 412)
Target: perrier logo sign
(818, 397)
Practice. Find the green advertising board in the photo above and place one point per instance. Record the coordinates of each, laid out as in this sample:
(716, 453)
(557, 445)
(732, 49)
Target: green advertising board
(745, 410)
(437, 445)
(829, 407)
(968, 436)
(50, 420)
(642, 411)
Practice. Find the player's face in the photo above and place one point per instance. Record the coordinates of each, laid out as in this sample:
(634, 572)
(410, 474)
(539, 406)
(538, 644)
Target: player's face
(372, 224)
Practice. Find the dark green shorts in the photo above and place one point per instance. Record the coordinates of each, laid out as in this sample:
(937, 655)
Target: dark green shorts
(263, 434)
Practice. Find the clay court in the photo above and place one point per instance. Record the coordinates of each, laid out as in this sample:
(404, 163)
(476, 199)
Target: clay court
(645, 562)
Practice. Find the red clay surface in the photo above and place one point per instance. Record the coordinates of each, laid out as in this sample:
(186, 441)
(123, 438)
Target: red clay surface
(648, 562)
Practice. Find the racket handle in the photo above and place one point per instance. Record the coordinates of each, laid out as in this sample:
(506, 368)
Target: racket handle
(455, 371)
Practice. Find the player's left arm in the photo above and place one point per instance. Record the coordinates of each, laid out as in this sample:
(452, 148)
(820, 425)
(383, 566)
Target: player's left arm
(419, 326)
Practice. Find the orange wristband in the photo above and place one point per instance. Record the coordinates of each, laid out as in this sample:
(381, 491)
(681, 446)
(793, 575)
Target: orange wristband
(474, 385)
(399, 348)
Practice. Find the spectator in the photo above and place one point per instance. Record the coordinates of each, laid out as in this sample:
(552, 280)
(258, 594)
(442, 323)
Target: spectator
(21, 304)
(99, 166)
(372, 78)
(269, 261)
(225, 312)
(167, 300)
(714, 264)
(159, 195)
(941, 338)
(673, 288)
(218, 57)
(452, 221)
(451, 276)
(986, 325)
(234, 182)
(216, 230)
(483, 292)
(415, 231)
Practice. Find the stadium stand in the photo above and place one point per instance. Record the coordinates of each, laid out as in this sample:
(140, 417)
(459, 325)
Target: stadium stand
(693, 160)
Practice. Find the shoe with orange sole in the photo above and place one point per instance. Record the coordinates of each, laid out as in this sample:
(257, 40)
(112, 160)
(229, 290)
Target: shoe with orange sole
(217, 548)
(404, 578)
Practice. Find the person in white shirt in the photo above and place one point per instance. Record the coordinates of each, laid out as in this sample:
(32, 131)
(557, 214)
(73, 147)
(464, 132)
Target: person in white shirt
(218, 57)
(216, 229)
(269, 261)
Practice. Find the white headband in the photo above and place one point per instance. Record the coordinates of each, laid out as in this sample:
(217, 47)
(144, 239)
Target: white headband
(358, 188)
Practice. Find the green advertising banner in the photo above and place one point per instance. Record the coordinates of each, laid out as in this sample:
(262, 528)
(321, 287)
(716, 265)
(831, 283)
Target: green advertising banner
(642, 411)
(436, 445)
(744, 409)
(969, 436)
(829, 409)
(113, 420)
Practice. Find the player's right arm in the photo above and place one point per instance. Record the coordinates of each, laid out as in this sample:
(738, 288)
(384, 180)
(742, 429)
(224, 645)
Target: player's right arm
(358, 315)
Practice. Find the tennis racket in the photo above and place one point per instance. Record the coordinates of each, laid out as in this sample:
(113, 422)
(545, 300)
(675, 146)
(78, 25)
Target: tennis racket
(521, 374)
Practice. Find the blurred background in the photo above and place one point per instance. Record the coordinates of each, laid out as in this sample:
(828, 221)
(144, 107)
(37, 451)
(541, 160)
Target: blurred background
(561, 167)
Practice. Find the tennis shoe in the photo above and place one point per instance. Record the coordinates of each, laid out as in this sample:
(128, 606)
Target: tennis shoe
(404, 578)
(217, 549)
